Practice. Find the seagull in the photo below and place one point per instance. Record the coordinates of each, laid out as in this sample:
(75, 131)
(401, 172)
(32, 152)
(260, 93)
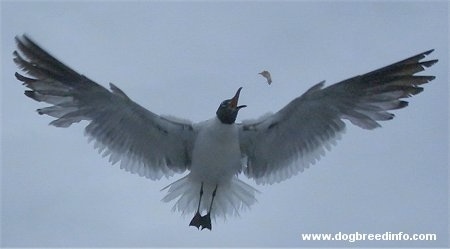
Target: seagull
(215, 152)
(266, 75)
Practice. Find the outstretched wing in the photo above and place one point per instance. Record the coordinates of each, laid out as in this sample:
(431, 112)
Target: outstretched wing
(144, 143)
(280, 145)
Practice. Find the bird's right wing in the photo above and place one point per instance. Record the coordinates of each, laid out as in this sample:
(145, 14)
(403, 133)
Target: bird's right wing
(144, 142)
(280, 145)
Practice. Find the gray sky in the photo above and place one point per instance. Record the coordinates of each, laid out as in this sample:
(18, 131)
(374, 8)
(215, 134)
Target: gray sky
(183, 59)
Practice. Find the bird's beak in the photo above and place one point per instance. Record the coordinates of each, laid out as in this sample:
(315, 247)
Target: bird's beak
(235, 99)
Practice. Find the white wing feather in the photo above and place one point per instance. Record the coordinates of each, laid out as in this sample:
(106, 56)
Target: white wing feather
(143, 142)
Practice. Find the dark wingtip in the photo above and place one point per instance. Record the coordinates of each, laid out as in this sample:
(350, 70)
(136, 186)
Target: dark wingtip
(415, 91)
(17, 39)
(428, 52)
(19, 76)
(429, 63)
(29, 93)
(23, 38)
(402, 104)
(32, 95)
(25, 80)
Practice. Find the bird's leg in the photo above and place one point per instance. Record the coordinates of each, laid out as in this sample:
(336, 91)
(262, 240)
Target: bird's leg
(197, 220)
(206, 220)
(212, 200)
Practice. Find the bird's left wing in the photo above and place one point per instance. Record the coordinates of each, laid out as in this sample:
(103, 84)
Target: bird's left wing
(280, 145)
(144, 142)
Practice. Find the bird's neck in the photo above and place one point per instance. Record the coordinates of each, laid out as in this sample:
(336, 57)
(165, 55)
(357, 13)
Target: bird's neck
(226, 118)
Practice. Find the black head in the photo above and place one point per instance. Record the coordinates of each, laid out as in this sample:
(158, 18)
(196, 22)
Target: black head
(228, 109)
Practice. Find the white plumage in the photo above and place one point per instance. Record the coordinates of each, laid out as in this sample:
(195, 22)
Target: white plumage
(269, 149)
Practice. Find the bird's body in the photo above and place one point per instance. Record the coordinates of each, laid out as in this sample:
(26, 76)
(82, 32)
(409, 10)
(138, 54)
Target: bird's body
(215, 152)
(216, 156)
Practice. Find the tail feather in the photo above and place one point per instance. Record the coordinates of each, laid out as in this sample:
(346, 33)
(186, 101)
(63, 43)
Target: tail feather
(231, 198)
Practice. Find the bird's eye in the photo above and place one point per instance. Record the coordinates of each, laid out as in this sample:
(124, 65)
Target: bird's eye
(224, 103)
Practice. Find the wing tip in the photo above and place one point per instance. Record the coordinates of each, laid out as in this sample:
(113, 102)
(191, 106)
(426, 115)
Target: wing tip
(429, 63)
(31, 94)
(23, 38)
(428, 52)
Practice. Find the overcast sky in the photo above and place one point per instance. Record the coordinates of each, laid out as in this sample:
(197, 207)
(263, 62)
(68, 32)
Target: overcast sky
(183, 59)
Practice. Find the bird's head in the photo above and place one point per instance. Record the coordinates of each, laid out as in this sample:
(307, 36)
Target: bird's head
(228, 109)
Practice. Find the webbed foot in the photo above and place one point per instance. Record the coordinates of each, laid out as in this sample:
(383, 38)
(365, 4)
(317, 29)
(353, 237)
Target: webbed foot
(196, 221)
(201, 221)
(206, 221)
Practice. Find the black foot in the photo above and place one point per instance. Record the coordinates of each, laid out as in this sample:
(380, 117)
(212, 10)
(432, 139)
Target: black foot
(196, 221)
(201, 221)
(206, 221)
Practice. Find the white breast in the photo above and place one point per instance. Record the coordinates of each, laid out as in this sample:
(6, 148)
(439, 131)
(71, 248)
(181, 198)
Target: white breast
(216, 156)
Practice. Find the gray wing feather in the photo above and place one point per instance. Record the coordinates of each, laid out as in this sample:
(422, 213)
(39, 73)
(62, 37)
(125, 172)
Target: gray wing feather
(143, 142)
(280, 145)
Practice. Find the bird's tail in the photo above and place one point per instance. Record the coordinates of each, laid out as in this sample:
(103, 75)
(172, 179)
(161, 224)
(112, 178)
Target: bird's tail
(230, 199)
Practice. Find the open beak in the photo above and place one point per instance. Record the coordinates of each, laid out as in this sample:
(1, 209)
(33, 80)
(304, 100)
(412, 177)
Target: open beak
(235, 99)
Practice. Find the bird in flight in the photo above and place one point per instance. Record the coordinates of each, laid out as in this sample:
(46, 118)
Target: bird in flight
(266, 75)
(215, 152)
